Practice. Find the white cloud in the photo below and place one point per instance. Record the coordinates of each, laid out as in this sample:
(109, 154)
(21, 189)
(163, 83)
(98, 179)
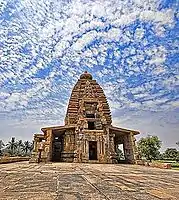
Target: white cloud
(162, 17)
(139, 33)
(157, 60)
(159, 69)
(4, 94)
(84, 40)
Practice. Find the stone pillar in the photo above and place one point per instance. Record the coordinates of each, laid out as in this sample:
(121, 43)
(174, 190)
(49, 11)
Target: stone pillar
(34, 156)
(85, 150)
(134, 148)
(47, 156)
(78, 147)
(35, 144)
(101, 149)
(112, 149)
(129, 148)
(108, 147)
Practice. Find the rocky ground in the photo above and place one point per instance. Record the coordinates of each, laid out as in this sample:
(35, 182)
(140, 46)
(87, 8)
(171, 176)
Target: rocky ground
(71, 181)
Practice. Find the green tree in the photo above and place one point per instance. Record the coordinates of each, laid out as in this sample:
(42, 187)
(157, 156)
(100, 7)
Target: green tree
(120, 155)
(12, 146)
(1, 147)
(177, 158)
(28, 146)
(170, 153)
(20, 147)
(31, 146)
(149, 147)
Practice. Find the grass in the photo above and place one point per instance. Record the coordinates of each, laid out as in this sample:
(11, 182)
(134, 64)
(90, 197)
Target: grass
(166, 161)
(174, 164)
(176, 168)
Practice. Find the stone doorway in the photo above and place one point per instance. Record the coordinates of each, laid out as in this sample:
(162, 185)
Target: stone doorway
(92, 150)
(57, 149)
(91, 125)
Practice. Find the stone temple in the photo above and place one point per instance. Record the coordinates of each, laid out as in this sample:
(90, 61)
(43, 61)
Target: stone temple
(88, 135)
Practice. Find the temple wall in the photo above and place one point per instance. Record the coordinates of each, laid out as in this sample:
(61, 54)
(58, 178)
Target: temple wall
(103, 147)
(69, 146)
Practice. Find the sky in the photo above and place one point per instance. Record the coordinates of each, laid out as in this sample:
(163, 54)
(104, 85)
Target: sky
(130, 48)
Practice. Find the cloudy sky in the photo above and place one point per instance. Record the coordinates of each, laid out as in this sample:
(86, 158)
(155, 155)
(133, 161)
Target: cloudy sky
(130, 47)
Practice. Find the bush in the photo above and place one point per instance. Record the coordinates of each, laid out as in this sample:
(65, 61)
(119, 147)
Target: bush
(175, 165)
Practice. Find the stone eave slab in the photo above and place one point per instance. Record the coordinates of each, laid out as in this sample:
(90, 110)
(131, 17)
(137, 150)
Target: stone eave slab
(59, 128)
(123, 130)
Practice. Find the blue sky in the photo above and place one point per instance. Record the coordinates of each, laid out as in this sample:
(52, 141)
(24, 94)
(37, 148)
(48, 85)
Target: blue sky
(130, 47)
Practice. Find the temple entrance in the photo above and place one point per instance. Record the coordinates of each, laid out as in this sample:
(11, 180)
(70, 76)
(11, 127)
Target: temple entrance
(123, 148)
(91, 126)
(92, 150)
(57, 148)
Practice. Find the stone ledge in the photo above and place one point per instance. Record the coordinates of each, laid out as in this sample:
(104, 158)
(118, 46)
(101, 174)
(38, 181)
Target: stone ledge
(4, 160)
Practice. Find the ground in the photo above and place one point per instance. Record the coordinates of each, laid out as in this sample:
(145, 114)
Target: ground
(71, 181)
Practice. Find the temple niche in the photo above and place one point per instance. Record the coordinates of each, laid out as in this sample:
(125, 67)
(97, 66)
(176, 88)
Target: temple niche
(88, 135)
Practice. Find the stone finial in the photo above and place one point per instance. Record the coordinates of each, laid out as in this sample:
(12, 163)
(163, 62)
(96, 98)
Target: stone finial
(86, 75)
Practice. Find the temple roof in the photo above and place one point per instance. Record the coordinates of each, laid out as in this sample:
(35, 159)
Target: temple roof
(86, 89)
(57, 128)
(86, 75)
(116, 129)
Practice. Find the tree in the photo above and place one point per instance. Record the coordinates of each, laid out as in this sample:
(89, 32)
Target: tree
(120, 155)
(171, 153)
(28, 146)
(31, 146)
(177, 143)
(20, 147)
(149, 147)
(11, 146)
(1, 147)
(177, 158)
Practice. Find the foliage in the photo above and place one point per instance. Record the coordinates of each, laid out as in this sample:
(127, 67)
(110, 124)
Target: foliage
(149, 147)
(16, 148)
(20, 147)
(11, 146)
(28, 147)
(120, 155)
(1, 147)
(177, 158)
(175, 164)
(170, 153)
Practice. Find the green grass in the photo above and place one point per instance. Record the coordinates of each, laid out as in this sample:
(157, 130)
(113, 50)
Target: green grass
(175, 168)
(166, 161)
(174, 164)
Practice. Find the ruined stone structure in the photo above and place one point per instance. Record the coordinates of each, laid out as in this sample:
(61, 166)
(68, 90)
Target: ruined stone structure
(88, 135)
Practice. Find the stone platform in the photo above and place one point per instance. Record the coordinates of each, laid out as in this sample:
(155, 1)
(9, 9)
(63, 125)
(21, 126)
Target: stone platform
(71, 181)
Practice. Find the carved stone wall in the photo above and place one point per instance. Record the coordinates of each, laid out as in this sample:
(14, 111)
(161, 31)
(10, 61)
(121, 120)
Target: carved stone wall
(87, 90)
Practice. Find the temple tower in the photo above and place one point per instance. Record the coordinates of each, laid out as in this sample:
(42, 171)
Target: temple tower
(88, 135)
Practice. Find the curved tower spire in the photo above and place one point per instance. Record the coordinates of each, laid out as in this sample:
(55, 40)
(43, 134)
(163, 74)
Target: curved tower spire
(87, 92)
